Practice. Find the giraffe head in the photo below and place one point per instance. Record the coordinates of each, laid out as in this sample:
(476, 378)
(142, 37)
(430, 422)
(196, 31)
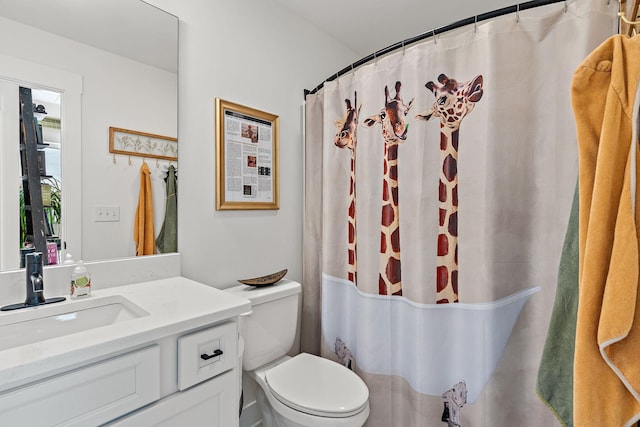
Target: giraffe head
(348, 126)
(392, 117)
(453, 100)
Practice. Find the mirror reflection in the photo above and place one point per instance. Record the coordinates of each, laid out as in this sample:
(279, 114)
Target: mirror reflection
(40, 190)
(106, 63)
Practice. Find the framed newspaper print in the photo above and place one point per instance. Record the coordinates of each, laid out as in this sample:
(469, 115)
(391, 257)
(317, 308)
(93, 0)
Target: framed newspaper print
(247, 165)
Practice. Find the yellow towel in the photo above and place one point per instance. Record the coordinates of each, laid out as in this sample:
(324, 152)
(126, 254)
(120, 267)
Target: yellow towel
(607, 353)
(143, 233)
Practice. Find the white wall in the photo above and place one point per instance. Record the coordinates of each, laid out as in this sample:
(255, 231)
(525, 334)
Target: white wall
(254, 53)
(138, 97)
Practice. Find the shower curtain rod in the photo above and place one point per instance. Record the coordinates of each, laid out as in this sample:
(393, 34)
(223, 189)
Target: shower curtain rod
(432, 33)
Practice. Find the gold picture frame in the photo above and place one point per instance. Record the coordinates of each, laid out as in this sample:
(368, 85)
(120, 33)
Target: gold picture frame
(247, 158)
(134, 143)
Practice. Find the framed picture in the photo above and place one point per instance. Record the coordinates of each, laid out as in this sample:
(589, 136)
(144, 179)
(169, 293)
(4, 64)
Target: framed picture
(132, 143)
(246, 158)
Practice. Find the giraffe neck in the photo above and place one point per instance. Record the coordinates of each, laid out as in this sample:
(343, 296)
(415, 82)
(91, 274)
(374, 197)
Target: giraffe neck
(352, 268)
(447, 260)
(390, 282)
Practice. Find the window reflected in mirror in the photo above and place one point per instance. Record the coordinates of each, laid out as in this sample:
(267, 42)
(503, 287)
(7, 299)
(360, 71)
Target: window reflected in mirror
(40, 214)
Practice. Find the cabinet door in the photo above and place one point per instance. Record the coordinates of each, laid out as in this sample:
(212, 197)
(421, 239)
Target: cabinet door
(87, 396)
(213, 403)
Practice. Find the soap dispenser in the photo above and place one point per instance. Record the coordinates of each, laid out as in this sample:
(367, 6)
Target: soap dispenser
(80, 281)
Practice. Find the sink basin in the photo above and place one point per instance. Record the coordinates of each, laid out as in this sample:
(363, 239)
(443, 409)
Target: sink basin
(31, 325)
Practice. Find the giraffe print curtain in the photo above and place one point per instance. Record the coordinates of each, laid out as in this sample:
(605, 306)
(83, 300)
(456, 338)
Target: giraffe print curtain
(439, 181)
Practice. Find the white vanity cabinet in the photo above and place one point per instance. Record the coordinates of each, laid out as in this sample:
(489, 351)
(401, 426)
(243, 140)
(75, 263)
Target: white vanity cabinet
(175, 364)
(208, 377)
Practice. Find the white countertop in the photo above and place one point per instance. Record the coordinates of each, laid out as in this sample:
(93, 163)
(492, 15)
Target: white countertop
(175, 305)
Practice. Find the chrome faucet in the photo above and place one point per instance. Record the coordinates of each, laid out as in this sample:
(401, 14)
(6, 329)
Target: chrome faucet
(35, 283)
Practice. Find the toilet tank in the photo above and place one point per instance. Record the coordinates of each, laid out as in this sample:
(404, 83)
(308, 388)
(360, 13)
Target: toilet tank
(270, 329)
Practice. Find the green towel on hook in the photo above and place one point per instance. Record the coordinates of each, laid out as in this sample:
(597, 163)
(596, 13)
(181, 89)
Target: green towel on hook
(555, 375)
(167, 240)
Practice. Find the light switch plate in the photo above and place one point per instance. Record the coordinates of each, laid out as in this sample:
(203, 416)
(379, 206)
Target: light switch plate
(106, 213)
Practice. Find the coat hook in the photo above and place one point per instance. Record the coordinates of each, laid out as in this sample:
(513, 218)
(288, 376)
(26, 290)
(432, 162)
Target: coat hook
(129, 160)
(629, 22)
(517, 13)
(475, 24)
(435, 39)
(566, 6)
(402, 47)
(114, 158)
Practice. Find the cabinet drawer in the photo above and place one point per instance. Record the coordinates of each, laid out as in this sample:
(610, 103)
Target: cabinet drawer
(206, 353)
(87, 396)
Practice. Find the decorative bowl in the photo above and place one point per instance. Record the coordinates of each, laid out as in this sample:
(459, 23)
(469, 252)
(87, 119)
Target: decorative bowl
(267, 280)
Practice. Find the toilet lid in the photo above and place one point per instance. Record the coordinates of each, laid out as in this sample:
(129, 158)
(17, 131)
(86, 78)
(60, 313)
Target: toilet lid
(318, 386)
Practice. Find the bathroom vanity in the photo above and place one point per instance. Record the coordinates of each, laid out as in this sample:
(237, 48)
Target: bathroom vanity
(163, 352)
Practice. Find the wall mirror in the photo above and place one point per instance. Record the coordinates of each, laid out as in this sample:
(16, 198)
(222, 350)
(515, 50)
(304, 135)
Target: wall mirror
(93, 65)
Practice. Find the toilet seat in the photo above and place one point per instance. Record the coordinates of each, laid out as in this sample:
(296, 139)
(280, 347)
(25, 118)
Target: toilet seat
(338, 391)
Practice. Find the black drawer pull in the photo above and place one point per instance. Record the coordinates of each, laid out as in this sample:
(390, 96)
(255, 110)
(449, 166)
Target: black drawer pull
(216, 353)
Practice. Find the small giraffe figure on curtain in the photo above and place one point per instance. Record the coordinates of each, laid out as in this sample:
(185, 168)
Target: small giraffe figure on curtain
(454, 399)
(394, 132)
(454, 101)
(347, 137)
(345, 357)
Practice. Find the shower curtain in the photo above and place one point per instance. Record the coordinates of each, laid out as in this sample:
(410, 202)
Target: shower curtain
(438, 186)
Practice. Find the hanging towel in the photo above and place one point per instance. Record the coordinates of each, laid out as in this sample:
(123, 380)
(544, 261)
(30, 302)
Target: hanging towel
(607, 355)
(167, 240)
(555, 375)
(143, 233)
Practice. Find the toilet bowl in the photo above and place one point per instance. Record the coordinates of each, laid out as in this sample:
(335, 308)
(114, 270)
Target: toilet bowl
(299, 391)
(310, 391)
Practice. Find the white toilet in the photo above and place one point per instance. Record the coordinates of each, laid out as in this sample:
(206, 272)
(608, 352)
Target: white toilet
(300, 391)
